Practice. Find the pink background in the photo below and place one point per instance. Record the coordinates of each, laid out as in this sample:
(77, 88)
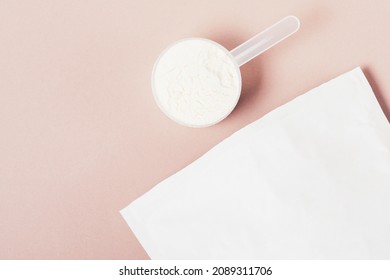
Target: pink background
(80, 134)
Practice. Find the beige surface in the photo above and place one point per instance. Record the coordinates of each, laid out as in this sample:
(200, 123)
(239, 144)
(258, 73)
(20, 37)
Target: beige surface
(81, 136)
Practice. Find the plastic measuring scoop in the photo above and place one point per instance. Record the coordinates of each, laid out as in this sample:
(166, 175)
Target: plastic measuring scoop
(187, 95)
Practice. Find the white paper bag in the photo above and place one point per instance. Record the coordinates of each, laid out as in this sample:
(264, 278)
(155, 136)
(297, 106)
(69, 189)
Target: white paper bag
(310, 180)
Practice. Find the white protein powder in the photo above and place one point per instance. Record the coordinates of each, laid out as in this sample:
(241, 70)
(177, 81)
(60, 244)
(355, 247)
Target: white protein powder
(196, 82)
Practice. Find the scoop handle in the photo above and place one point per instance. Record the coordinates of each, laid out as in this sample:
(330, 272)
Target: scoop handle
(265, 40)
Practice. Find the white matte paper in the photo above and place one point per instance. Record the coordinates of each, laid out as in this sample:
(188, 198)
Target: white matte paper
(310, 180)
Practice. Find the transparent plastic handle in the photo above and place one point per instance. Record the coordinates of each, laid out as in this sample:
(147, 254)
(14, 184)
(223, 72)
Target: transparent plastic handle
(265, 40)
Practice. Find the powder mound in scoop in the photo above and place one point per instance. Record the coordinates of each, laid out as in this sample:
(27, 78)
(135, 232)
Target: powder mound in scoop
(196, 82)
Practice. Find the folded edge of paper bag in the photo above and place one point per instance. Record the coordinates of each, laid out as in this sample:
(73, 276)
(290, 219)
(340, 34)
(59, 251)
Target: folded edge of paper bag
(135, 215)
